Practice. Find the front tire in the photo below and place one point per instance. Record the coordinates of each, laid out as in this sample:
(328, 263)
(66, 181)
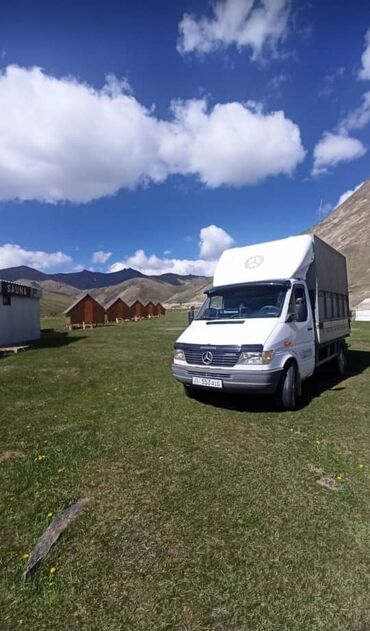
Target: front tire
(286, 393)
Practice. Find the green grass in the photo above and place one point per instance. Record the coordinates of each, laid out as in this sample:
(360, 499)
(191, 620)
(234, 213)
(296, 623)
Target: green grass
(203, 515)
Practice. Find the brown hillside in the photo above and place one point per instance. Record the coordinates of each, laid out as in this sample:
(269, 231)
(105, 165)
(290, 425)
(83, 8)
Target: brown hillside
(347, 229)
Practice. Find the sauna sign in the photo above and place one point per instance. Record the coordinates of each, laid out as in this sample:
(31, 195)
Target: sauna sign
(13, 289)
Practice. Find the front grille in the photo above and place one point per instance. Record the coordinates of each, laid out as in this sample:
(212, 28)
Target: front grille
(208, 375)
(220, 357)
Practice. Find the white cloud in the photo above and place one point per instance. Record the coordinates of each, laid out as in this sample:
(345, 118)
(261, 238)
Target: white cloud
(213, 241)
(324, 209)
(232, 144)
(64, 140)
(12, 255)
(365, 59)
(335, 148)
(154, 265)
(100, 256)
(243, 23)
(347, 195)
(359, 117)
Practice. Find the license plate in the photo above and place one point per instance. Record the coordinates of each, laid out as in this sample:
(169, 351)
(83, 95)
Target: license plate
(206, 382)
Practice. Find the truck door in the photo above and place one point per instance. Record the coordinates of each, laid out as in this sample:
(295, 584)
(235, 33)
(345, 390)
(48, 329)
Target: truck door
(302, 329)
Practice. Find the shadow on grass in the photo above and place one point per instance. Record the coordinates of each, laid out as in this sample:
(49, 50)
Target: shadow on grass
(55, 339)
(324, 379)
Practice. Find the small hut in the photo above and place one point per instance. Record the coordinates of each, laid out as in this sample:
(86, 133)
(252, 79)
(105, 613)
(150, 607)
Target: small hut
(85, 311)
(117, 310)
(159, 309)
(19, 313)
(149, 309)
(362, 311)
(136, 310)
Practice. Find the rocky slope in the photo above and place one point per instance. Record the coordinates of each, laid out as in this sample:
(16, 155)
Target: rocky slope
(347, 229)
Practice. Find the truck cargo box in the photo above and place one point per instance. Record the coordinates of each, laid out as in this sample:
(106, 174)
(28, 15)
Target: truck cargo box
(328, 287)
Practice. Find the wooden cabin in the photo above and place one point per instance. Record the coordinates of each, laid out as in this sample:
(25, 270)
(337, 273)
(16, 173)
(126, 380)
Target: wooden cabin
(85, 311)
(137, 310)
(149, 309)
(159, 309)
(117, 309)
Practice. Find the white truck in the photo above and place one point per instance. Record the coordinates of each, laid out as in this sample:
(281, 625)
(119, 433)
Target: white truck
(276, 311)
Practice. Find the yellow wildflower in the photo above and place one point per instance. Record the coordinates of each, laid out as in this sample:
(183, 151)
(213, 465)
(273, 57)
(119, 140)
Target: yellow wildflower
(50, 514)
(318, 442)
(52, 570)
(339, 477)
(25, 556)
(360, 466)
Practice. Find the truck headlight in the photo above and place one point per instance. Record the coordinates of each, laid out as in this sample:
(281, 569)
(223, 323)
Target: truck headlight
(253, 357)
(179, 354)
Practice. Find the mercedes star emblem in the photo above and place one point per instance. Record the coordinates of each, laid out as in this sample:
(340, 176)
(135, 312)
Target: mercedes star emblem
(207, 357)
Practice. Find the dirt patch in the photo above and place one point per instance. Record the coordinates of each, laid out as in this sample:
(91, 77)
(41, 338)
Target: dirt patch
(10, 455)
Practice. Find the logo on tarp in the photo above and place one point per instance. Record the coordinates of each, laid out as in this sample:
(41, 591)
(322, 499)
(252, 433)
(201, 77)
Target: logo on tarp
(253, 262)
(207, 358)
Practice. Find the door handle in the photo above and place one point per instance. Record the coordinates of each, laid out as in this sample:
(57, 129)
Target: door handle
(309, 328)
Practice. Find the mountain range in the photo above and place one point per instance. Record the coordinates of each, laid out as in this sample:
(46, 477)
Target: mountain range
(346, 228)
(86, 279)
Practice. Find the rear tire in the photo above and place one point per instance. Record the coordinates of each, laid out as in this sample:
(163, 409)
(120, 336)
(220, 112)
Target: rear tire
(286, 393)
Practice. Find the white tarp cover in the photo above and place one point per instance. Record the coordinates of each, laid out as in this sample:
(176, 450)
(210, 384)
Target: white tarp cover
(273, 260)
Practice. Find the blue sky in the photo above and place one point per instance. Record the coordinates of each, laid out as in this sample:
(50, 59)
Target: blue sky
(161, 132)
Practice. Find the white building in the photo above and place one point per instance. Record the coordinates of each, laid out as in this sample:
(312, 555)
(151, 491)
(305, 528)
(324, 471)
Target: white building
(19, 313)
(362, 311)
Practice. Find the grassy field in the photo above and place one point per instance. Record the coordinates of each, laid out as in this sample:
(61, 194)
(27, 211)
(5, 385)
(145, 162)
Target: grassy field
(203, 515)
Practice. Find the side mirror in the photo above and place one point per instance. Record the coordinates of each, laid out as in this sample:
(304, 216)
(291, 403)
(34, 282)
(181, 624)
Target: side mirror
(190, 316)
(301, 311)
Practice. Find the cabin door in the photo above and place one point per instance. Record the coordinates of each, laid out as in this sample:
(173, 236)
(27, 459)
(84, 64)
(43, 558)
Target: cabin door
(88, 311)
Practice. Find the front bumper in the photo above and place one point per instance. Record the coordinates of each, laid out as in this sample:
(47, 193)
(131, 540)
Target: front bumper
(256, 381)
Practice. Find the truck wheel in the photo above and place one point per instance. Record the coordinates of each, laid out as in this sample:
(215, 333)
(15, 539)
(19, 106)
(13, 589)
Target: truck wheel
(341, 361)
(286, 393)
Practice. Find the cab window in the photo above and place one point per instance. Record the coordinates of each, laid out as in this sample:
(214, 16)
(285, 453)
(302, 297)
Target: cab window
(298, 304)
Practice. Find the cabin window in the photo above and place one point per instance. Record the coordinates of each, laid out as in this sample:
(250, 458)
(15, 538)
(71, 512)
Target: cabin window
(7, 300)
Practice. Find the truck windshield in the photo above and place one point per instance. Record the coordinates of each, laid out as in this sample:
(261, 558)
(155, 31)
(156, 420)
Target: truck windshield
(250, 301)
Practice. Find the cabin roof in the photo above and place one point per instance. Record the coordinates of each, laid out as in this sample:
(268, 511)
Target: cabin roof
(111, 302)
(79, 299)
